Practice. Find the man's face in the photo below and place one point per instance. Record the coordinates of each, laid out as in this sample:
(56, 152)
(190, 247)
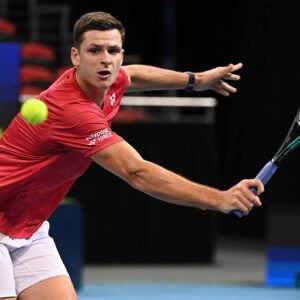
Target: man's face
(99, 58)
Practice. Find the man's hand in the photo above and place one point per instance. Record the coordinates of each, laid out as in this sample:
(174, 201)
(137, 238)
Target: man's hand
(239, 197)
(214, 79)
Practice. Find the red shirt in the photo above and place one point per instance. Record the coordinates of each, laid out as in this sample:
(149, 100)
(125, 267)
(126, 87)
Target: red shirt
(39, 163)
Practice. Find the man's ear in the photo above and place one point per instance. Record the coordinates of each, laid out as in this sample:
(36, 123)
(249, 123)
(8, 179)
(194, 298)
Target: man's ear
(122, 56)
(75, 56)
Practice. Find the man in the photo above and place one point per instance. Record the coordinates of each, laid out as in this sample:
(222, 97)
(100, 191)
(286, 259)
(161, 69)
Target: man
(39, 164)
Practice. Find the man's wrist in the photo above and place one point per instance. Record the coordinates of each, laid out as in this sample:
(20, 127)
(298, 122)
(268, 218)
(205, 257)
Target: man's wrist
(191, 82)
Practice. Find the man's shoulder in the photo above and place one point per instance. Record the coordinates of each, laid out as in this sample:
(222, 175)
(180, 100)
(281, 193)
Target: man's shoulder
(66, 80)
(64, 88)
(121, 81)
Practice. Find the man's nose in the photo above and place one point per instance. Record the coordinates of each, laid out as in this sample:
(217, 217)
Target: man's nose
(105, 59)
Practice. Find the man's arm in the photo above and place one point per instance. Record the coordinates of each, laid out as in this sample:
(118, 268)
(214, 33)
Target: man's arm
(125, 162)
(147, 78)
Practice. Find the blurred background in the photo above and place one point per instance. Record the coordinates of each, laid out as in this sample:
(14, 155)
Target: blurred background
(243, 134)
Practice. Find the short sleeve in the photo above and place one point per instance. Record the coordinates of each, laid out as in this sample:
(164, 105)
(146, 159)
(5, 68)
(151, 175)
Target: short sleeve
(82, 126)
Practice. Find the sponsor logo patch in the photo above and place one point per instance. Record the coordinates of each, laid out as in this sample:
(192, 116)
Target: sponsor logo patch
(99, 136)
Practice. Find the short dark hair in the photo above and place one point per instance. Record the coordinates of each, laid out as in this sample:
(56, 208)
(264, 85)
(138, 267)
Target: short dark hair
(97, 20)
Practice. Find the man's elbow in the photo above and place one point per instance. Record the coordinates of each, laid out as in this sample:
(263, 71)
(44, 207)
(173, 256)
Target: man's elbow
(135, 175)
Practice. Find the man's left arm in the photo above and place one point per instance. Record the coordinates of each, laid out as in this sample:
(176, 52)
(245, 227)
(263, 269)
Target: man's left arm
(149, 78)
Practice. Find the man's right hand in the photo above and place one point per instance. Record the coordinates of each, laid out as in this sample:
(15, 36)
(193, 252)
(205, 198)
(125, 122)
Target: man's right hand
(240, 197)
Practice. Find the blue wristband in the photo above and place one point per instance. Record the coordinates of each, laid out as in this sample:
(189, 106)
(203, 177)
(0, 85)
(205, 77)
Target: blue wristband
(191, 83)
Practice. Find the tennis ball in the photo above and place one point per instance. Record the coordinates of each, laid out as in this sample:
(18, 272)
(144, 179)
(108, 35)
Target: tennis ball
(34, 111)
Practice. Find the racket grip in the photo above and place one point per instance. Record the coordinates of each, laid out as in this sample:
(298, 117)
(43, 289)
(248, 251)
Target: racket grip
(264, 175)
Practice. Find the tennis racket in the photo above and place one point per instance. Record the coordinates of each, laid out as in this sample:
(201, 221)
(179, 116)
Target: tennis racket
(290, 143)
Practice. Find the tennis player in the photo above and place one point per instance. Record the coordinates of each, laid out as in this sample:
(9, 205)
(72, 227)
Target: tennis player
(39, 163)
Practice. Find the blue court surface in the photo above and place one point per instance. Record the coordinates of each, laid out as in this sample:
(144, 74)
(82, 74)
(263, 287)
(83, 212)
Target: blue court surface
(184, 291)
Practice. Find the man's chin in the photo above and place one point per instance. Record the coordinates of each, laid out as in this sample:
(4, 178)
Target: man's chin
(102, 85)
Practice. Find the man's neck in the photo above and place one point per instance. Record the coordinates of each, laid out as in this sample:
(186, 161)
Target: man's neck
(92, 93)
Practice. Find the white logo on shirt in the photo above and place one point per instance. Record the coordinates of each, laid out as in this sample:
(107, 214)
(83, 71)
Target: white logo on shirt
(99, 136)
(112, 99)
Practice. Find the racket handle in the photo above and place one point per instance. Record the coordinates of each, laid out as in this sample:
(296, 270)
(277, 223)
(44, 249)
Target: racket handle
(264, 175)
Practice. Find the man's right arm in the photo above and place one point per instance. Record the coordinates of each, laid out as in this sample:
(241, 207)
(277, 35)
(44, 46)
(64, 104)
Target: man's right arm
(124, 161)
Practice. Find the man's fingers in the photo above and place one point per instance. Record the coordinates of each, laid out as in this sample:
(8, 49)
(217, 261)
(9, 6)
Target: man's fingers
(248, 198)
(257, 184)
(230, 76)
(237, 67)
(227, 87)
(257, 202)
(224, 88)
(259, 189)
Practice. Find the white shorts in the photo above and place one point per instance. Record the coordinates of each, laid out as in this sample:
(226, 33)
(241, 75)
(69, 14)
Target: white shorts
(25, 262)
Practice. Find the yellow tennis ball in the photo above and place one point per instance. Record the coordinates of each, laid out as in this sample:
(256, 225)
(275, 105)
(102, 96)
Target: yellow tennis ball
(34, 111)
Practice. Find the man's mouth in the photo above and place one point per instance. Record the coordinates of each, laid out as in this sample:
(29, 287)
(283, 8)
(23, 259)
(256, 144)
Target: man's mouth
(104, 73)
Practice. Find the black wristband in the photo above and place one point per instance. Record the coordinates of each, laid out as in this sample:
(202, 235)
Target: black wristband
(191, 83)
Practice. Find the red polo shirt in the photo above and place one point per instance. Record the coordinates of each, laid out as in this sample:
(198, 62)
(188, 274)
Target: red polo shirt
(39, 163)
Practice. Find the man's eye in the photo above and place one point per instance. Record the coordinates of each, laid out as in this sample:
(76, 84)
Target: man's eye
(114, 51)
(94, 50)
